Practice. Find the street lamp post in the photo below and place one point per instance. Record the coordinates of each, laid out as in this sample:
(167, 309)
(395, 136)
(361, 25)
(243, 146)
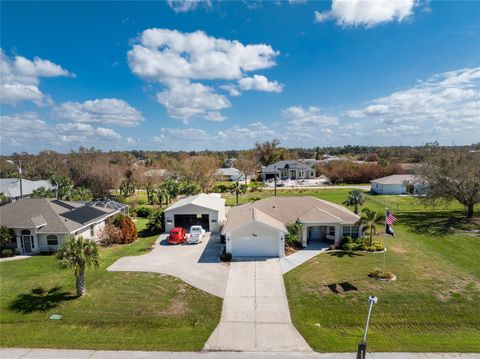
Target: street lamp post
(362, 346)
(20, 173)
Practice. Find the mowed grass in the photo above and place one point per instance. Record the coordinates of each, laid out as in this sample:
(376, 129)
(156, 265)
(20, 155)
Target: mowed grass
(134, 311)
(433, 306)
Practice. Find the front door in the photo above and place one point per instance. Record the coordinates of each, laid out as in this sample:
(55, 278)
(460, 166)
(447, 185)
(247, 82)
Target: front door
(27, 244)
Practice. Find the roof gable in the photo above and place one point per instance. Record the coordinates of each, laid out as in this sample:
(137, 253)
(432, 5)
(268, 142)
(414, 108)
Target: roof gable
(202, 200)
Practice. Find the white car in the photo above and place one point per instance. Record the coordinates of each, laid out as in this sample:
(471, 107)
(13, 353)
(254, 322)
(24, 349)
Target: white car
(195, 235)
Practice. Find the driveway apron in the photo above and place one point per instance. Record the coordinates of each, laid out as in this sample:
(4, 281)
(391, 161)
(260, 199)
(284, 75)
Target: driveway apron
(255, 314)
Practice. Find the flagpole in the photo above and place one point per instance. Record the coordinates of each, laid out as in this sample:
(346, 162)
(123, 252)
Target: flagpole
(384, 246)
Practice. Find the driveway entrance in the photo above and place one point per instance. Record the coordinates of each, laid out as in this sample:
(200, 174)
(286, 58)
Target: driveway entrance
(255, 314)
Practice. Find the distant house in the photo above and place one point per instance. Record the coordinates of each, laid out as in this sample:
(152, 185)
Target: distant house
(397, 184)
(10, 187)
(41, 224)
(230, 174)
(289, 169)
(155, 172)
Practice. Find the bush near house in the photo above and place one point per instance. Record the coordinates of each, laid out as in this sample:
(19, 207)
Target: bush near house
(292, 239)
(110, 235)
(126, 225)
(143, 212)
(350, 244)
(155, 221)
(8, 252)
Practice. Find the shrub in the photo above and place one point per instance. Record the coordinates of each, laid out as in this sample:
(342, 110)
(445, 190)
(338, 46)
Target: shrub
(346, 239)
(220, 188)
(256, 187)
(155, 221)
(292, 238)
(349, 246)
(376, 273)
(126, 225)
(143, 212)
(110, 234)
(8, 252)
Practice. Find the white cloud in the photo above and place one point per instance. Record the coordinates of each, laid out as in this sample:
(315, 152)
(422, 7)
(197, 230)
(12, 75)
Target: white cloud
(29, 130)
(103, 111)
(259, 83)
(231, 89)
(451, 97)
(367, 12)
(131, 141)
(400, 130)
(180, 6)
(20, 78)
(179, 61)
(184, 100)
(308, 118)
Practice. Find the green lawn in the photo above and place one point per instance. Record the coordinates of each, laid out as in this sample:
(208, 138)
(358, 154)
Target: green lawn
(134, 311)
(433, 305)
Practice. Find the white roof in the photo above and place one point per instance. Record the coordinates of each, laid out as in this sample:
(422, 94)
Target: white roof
(211, 201)
(396, 179)
(10, 187)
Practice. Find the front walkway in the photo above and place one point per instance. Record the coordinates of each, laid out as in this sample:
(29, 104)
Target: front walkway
(19, 353)
(294, 260)
(15, 258)
(255, 314)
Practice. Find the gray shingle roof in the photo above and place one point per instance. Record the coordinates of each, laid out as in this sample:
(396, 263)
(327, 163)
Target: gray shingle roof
(291, 164)
(397, 179)
(61, 217)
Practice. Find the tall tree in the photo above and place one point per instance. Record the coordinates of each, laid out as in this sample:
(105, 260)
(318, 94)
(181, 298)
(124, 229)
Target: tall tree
(355, 199)
(201, 170)
(63, 186)
(452, 175)
(247, 164)
(78, 253)
(369, 221)
(268, 152)
(127, 187)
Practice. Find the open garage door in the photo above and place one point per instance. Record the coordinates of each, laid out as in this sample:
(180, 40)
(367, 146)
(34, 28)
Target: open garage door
(188, 220)
(255, 247)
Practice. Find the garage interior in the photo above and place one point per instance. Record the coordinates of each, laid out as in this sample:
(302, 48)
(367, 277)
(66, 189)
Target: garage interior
(188, 220)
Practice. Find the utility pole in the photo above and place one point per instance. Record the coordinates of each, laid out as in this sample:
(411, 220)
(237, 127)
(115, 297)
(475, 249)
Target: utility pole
(20, 173)
(275, 181)
(362, 346)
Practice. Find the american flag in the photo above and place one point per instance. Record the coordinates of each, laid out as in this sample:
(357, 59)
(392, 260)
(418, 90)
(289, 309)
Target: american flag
(390, 218)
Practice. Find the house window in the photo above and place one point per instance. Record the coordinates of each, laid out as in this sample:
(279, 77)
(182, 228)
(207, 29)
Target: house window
(311, 174)
(33, 242)
(92, 230)
(331, 231)
(52, 240)
(346, 231)
(354, 232)
(350, 231)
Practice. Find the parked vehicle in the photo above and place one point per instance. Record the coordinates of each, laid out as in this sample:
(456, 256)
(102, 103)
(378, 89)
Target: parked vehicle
(195, 235)
(177, 235)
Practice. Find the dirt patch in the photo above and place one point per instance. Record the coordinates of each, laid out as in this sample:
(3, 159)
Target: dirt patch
(398, 249)
(459, 286)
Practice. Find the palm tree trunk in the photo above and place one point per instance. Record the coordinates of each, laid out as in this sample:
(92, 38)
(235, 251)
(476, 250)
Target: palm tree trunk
(236, 198)
(80, 281)
(371, 235)
(470, 211)
(355, 210)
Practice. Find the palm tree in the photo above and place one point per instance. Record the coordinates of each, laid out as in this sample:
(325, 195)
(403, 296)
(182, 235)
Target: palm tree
(355, 199)
(172, 188)
(161, 194)
(127, 188)
(237, 188)
(78, 253)
(369, 222)
(63, 186)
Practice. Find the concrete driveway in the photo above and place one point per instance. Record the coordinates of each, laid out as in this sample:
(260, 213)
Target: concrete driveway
(255, 314)
(196, 264)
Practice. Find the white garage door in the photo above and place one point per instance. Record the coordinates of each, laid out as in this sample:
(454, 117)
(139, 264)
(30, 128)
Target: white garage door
(255, 247)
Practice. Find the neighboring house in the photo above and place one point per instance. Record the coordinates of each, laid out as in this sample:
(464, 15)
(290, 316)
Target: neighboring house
(258, 229)
(397, 184)
(206, 210)
(230, 174)
(10, 187)
(154, 172)
(41, 224)
(290, 169)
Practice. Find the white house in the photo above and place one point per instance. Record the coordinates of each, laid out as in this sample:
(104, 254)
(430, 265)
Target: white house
(258, 229)
(230, 174)
(397, 184)
(10, 187)
(206, 210)
(288, 170)
(41, 224)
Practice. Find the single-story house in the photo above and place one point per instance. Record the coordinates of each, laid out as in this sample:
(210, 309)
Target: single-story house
(206, 210)
(230, 174)
(397, 184)
(41, 224)
(258, 229)
(10, 187)
(290, 169)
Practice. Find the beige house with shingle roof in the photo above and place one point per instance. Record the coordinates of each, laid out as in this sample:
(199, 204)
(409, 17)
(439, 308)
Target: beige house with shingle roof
(259, 228)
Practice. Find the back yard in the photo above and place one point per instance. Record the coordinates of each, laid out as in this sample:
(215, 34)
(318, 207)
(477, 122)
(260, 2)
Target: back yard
(120, 310)
(432, 306)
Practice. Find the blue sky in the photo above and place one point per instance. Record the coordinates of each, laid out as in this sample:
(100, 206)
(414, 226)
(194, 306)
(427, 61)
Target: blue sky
(183, 75)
